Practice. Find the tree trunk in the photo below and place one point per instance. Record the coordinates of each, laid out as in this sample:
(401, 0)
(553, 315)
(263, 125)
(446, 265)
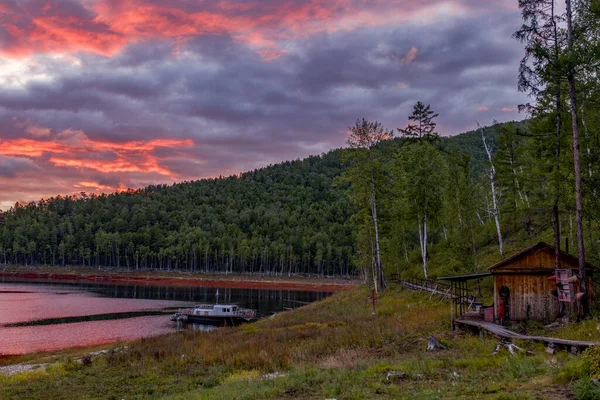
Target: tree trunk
(374, 267)
(376, 226)
(425, 245)
(577, 165)
(423, 242)
(494, 200)
(558, 105)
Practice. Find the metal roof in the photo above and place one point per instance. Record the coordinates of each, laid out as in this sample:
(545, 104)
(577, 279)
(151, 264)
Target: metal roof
(462, 278)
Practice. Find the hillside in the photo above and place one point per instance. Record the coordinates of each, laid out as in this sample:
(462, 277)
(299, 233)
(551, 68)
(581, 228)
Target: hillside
(289, 218)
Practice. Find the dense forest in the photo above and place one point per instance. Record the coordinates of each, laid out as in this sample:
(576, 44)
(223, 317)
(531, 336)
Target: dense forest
(290, 218)
(394, 201)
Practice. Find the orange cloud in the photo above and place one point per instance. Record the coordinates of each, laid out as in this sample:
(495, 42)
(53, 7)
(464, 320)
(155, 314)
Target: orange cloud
(97, 187)
(410, 55)
(74, 149)
(106, 26)
(509, 109)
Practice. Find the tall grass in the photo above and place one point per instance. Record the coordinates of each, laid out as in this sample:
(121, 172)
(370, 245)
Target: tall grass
(335, 348)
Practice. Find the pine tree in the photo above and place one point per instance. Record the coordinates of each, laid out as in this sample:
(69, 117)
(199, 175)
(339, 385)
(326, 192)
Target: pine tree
(422, 127)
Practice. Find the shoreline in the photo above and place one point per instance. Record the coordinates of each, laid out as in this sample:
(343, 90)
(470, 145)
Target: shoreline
(178, 278)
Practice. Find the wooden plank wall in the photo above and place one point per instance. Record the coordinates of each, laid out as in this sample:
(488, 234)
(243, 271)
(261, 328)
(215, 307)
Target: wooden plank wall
(529, 291)
(532, 289)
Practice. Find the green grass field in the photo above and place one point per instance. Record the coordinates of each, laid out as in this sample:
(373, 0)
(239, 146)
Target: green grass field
(334, 348)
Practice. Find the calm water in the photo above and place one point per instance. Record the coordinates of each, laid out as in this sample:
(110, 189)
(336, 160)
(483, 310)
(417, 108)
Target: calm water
(52, 316)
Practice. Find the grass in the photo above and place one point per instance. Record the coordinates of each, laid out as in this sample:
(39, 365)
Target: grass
(334, 348)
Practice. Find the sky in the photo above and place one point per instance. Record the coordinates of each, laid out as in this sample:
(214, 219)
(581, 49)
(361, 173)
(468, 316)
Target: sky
(104, 95)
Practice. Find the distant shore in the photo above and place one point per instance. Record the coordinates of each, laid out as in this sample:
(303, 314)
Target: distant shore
(178, 278)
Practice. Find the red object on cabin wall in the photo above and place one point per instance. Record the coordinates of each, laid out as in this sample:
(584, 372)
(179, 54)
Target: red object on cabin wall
(488, 314)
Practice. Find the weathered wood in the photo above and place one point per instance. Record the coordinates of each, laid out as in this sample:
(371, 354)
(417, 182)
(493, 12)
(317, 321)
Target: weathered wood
(526, 275)
(433, 344)
(511, 347)
(504, 333)
(460, 295)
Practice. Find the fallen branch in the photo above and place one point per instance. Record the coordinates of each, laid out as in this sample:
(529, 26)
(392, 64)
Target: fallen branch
(511, 347)
(434, 344)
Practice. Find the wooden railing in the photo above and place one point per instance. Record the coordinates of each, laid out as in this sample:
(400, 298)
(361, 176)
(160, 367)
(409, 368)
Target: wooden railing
(458, 292)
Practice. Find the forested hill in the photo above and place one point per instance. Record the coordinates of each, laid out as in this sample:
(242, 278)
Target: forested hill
(293, 217)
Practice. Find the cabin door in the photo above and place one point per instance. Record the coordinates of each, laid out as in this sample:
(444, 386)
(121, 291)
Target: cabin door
(504, 304)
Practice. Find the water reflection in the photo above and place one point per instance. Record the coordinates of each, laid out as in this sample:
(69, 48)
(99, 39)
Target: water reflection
(43, 316)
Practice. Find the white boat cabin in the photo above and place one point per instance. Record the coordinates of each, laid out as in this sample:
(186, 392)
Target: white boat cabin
(215, 309)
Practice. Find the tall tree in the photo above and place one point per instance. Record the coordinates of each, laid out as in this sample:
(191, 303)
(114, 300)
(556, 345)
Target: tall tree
(572, 63)
(365, 174)
(421, 126)
(540, 74)
(422, 175)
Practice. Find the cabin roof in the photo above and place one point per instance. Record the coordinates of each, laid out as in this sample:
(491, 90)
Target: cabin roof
(532, 249)
(463, 278)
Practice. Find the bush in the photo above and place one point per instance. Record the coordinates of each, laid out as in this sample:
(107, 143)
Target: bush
(592, 355)
(586, 389)
(574, 369)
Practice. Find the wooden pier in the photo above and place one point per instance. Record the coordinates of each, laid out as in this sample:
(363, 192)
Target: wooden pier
(504, 333)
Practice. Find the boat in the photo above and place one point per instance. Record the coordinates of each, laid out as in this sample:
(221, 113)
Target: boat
(215, 314)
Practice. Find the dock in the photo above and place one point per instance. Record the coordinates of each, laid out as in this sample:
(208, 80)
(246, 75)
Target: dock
(504, 333)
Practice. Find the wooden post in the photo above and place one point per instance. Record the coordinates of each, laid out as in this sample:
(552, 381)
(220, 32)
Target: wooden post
(495, 301)
(452, 300)
(373, 299)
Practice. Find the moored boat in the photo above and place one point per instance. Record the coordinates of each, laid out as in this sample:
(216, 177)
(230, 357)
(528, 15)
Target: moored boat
(215, 314)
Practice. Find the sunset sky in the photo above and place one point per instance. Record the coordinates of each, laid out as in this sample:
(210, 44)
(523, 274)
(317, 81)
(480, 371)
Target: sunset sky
(104, 95)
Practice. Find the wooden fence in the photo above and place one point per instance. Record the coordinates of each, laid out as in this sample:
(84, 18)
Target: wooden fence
(455, 291)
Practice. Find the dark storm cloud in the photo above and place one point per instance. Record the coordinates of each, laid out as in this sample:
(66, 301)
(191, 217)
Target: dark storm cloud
(11, 166)
(224, 102)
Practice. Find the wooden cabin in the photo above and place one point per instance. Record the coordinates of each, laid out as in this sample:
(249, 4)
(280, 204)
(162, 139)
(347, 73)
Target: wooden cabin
(522, 287)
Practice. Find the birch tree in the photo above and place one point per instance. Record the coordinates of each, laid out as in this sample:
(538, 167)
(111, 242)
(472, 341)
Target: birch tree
(508, 160)
(492, 175)
(365, 175)
(422, 176)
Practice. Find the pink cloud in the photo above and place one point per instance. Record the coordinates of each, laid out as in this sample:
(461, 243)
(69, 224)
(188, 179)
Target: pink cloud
(410, 55)
(73, 149)
(482, 108)
(509, 109)
(106, 26)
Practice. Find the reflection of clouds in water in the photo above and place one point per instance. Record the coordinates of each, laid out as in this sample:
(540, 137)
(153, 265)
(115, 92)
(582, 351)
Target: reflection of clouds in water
(29, 302)
(55, 337)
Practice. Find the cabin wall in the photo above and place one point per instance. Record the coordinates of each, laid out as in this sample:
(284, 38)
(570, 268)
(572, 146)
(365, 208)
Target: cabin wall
(531, 292)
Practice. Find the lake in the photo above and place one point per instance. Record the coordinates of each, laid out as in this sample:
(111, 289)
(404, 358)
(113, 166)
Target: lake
(48, 316)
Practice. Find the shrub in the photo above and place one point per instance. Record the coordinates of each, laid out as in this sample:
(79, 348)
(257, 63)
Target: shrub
(576, 368)
(592, 354)
(586, 389)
